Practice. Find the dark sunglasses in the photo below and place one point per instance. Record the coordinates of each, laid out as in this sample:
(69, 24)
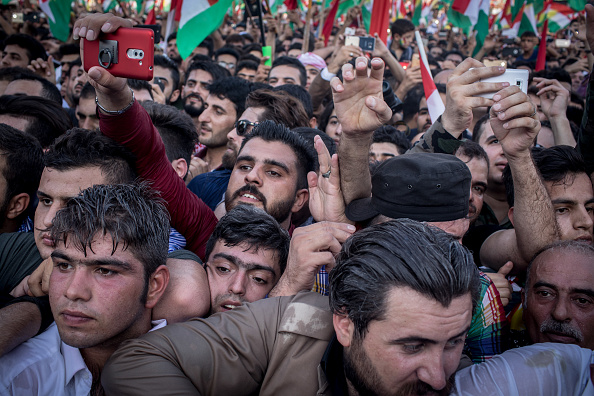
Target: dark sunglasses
(242, 126)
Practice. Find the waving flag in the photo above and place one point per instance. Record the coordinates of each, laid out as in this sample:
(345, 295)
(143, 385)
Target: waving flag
(434, 103)
(199, 18)
(477, 12)
(58, 14)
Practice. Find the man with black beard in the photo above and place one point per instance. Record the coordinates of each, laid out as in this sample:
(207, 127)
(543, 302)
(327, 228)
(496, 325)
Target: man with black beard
(271, 172)
(401, 302)
(195, 89)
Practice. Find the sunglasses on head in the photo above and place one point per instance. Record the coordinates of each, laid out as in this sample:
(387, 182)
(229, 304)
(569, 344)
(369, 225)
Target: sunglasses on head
(242, 126)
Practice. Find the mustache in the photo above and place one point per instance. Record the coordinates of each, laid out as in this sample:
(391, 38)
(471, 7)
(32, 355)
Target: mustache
(552, 325)
(250, 189)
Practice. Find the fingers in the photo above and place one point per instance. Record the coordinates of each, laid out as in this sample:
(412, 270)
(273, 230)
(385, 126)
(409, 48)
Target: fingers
(466, 65)
(38, 277)
(90, 26)
(506, 268)
(323, 154)
(105, 79)
(511, 103)
(377, 69)
(335, 174)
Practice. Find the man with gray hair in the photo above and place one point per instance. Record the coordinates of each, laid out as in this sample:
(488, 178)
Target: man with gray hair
(401, 302)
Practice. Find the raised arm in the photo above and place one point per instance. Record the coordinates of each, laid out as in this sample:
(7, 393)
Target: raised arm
(360, 107)
(133, 128)
(515, 124)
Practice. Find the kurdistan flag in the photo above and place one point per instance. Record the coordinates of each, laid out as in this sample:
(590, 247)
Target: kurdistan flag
(198, 19)
(58, 15)
(471, 15)
(558, 15)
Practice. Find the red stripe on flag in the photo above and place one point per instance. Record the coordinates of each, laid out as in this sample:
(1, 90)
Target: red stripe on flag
(460, 5)
(542, 48)
(212, 2)
(329, 22)
(380, 19)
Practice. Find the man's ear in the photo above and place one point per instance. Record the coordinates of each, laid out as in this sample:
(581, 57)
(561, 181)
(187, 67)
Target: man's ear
(344, 329)
(180, 166)
(301, 199)
(174, 96)
(313, 122)
(510, 215)
(17, 205)
(157, 284)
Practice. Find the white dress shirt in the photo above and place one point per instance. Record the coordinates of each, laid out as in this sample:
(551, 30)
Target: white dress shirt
(44, 365)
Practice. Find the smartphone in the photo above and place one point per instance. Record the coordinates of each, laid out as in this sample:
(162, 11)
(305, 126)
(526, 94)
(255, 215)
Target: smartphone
(456, 30)
(443, 34)
(349, 31)
(129, 52)
(562, 43)
(509, 40)
(496, 62)
(367, 44)
(31, 17)
(155, 28)
(415, 61)
(510, 51)
(17, 17)
(517, 77)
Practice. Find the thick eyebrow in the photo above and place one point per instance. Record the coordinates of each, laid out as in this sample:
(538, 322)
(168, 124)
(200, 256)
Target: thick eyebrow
(544, 284)
(276, 163)
(243, 264)
(482, 184)
(562, 201)
(587, 292)
(219, 107)
(106, 262)
(426, 340)
(248, 158)
(333, 117)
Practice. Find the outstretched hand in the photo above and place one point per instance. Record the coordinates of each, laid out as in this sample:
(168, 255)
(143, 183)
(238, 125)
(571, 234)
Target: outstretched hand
(514, 121)
(326, 202)
(358, 100)
(112, 92)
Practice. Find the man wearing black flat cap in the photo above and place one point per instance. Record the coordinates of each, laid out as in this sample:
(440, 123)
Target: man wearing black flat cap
(433, 188)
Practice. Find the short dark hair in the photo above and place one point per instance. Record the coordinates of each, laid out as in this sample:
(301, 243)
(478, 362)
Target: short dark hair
(279, 107)
(69, 49)
(47, 119)
(208, 44)
(48, 90)
(309, 135)
(227, 51)
(294, 63)
(233, 88)
(401, 26)
(176, 128)
(399, 253)
(472, 150)
(170, 65)
(246, 64)
(133, 215)
(250, 226)
(389, 134)
(252, 47)
(139, 85)
(87, 91)
(557, 164)
(23, 157)
(217, 72)
(479, 128)
(33, 47)
(269, 131)
(528, 33)
(299, 92)
(79, 148)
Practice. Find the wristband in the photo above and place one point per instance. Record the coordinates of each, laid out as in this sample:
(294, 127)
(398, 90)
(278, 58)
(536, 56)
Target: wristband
(326, 75)
(115, 112)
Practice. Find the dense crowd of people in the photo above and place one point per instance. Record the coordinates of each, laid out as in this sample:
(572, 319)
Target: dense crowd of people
(303, 223)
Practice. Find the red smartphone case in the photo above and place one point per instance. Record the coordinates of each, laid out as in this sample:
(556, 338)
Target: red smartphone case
(129, 52)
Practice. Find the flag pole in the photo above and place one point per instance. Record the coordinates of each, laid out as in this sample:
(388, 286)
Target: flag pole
(434, 103)
(307, 31)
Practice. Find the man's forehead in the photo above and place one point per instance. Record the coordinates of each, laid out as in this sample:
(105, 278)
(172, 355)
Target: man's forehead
(564, 268)
(70, 182)
(261, 150)
(573, 186)
(200, 75)
(216, 100)
(253, 114)
(243, 254)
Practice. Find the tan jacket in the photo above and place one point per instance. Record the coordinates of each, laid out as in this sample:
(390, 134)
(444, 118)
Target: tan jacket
(270, 347)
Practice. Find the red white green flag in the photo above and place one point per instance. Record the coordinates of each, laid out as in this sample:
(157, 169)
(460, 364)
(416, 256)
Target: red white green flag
(58, 15)
(198, 19)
